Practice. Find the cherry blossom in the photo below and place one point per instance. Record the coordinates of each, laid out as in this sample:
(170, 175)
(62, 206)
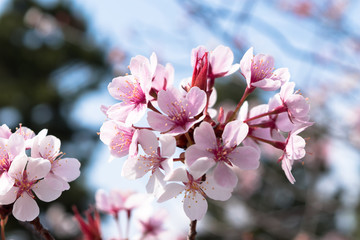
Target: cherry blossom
(258, 71)
(116, 200)
(294, 150)
(224, 153)
(122, 140)
(196, 189)
(180, 110)
(29, 174)
(62, 169)
(10, 149)
(156, 159)
(132, 90)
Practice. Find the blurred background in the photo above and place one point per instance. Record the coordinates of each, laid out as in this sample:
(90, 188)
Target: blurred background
(57, 58)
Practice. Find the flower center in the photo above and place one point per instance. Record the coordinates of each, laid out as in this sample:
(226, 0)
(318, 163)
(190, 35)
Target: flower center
(4, 164)
(260, 70)
(178, 113)
(133, 93)
(24, 185)
(220, 152)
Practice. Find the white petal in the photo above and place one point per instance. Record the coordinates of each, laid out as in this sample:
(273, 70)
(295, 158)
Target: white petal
(214, 191)
(48, 189)
(9, 197)
(49, 147)
(37, 168)
(25, 208)
(201, 166)
(67, 168)
(102, 201)
(224, 176)
(179, 174)
(168, 145)
(148, 141)
(6, 183)
(171, 190)
(17, 167)
(195, 205)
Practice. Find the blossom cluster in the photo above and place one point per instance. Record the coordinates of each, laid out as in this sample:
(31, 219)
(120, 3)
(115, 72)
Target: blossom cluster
(183, 127)
(32, 166)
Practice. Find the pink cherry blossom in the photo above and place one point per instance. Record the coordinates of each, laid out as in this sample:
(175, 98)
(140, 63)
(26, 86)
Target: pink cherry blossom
(294, 150)
(258, 71)
(29, 178)
(132, 90)
(62, 169)
(180, 110)
(122, 140)
(5, 131)
(156, 160)
(196, 189)
(116, 200)
(163, 77)
(224, 153)
(152, 227)
(10, 149)
(220, 60)
(295, 106)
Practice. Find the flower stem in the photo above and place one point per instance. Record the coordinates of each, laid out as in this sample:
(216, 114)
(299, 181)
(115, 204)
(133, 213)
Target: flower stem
(245, 95)
(41, 230)
(192, 231)
(117, 220)
(3, 222)
(277, 110)
(190, 142)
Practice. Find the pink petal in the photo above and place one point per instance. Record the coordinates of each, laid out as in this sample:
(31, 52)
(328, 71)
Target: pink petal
(204, 136)
(120, 111)
(37, 168)
(148, 141)
(25, 208)
(295, 147)
(195, 205)
(286, 165)
(169, 99)
(287, 90)
(234, 133)
(17, 167)
(224, 176)
(49, 147)
(6, 183)
(196, 100)
(67, 168)
(179, 174)
(221, 60)
(283, 122)
(159, 122)
(214, 191)
(168, 145)
(102, 201)
(171, 190)
(201, 166)
(48, 189)
(9, 197)
(281, 74)
(194, 152)
(245, 65)
(35, 150)
(245, 158)
(197, 53)
(16, 144)
(267, 84)
(136, 114)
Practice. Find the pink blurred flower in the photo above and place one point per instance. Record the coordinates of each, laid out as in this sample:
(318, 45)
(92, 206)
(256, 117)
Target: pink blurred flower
(116, 200)
(224, 152)
(152, 226)
(258, 71)
(180, 110)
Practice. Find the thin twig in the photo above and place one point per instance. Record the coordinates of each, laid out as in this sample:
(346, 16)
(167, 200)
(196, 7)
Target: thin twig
(3, 221)
(192, 231)
(45, 234)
